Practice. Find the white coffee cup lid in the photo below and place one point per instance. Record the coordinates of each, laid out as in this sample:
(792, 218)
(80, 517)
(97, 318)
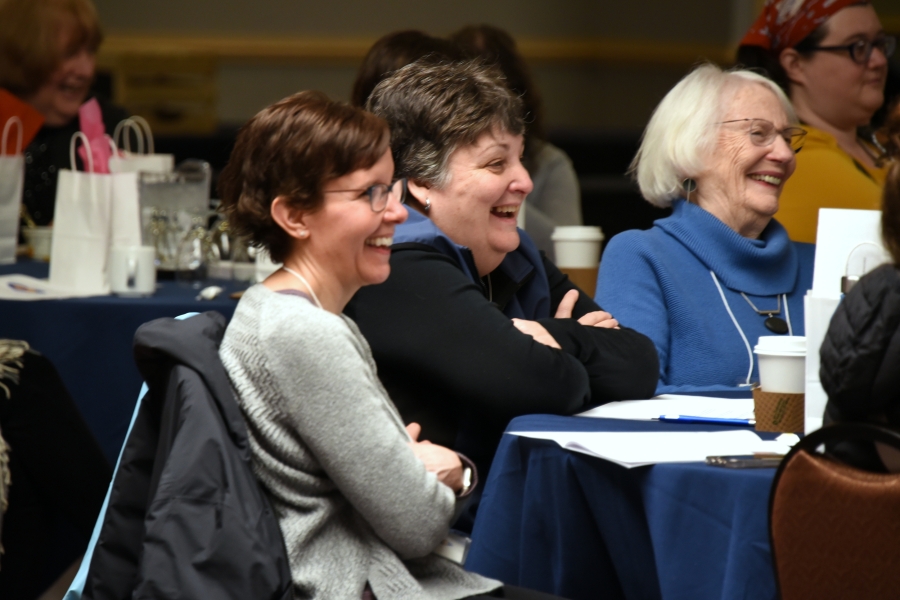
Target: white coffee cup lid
(789, 345)
(585, 233)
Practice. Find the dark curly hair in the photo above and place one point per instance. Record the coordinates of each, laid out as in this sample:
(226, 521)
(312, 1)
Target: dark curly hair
(291, 149)
(393, 51)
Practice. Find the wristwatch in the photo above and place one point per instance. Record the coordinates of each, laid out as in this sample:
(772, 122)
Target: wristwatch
(466, 481)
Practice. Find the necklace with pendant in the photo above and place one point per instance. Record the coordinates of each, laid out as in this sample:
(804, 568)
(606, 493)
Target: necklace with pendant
(773, 323)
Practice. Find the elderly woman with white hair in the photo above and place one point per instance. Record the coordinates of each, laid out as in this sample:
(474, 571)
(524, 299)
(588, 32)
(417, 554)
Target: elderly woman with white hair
(705, 283)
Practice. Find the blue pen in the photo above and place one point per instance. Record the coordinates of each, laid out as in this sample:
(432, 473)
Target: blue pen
(705, 420)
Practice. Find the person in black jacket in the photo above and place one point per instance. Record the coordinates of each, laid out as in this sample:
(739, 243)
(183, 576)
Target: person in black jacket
(57, 473)
(860, 356)
(475, 326)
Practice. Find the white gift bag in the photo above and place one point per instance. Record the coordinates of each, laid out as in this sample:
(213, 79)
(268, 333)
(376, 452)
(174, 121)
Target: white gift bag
(12, 177)
(125, 224)
(81, 227)
(128, 161)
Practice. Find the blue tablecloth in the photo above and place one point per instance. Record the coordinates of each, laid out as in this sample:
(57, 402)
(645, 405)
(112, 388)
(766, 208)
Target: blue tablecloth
(89, 340)
(585, 528)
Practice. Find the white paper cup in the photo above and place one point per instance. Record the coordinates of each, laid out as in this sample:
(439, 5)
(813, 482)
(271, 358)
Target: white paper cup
(577, 250)
(577, 246)
(132, 270)
(40, 240)
(244, 271)
(782, 363)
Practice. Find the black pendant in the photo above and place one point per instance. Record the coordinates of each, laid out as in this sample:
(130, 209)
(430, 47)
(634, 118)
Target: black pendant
(776, 325)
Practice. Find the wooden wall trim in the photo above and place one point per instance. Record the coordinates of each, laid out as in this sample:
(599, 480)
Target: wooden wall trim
(352, 49)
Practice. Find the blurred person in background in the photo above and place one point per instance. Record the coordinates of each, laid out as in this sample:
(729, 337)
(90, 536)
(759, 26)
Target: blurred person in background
(393, 51)
(831, 57)
(556, 196)
(48, 54)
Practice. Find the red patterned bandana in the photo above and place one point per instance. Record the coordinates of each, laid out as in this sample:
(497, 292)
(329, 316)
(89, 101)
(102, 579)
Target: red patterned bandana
(785, 23)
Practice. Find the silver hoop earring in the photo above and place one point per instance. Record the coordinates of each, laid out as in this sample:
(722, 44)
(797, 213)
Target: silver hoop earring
(427, 206)
(689, 185)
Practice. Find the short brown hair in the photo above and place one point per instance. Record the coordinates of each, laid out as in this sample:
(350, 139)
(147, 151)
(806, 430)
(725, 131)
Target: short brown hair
(292, 149)
(433, 109)
(393, 51)
(30, 35)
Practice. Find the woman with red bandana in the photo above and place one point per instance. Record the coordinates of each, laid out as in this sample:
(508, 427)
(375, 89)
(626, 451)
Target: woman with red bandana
(831, 57)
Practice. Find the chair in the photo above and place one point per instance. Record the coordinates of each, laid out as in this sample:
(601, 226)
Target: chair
(834, 528)
(184, 516)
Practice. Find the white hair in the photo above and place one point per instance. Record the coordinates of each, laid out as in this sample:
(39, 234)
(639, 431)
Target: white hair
(683, 130)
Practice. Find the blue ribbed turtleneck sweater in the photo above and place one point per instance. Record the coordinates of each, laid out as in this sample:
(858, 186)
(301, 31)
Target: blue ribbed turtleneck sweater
(658, 282)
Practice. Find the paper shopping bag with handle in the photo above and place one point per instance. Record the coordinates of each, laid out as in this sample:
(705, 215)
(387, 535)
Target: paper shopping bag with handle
(81, 226)
(12, 177)
(144, 158)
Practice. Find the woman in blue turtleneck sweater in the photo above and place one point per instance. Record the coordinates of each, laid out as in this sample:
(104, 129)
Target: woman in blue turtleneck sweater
(705, 283)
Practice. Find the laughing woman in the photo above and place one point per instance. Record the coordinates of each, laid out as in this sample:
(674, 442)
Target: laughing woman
(360, 502)
(464, 330)
(708, 281)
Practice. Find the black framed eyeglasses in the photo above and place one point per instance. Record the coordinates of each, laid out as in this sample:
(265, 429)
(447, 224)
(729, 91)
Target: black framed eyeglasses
(861, 50)
(379, 193)
(762, 133)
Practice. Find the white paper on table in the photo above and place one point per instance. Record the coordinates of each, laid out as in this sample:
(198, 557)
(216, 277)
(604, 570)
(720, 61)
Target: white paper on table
(639, 448)
(847, 242)
(674, 404)
(818, 313)
(23, 287)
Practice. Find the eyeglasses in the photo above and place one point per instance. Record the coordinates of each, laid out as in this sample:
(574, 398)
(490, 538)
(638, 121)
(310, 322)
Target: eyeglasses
(380, 193)
(861, 50)
(763, 132)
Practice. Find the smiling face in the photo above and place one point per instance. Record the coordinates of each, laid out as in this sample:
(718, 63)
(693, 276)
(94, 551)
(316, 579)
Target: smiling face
(347, 240)
(743, 181)
(60, 97)
(486, 187)
(834, 87)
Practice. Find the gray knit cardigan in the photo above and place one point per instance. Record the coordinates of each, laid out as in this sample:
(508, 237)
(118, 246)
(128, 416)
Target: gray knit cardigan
(353, 502)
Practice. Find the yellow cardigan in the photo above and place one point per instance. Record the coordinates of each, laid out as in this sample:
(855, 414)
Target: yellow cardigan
(826, 177)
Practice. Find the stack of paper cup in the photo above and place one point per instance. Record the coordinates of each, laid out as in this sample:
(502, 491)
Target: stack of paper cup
(577, 251)
(778, 401)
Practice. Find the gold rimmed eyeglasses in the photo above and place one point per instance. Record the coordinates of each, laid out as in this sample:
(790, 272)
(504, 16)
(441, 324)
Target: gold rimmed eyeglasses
(763, 132)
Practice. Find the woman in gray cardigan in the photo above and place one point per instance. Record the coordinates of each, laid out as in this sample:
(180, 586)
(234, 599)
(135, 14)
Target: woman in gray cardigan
(361, 503)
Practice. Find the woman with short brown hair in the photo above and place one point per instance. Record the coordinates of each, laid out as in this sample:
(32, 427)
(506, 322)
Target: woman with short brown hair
(463, 330)
(363, 505)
